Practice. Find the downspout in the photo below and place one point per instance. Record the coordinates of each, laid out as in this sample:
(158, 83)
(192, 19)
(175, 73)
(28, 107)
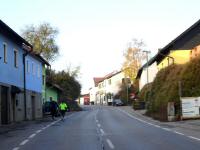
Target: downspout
(28, 50)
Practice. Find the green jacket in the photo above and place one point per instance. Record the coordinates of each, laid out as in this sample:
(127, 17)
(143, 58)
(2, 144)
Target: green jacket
(63, 106)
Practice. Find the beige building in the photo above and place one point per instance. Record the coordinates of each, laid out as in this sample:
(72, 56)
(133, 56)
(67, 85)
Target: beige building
(107, 87)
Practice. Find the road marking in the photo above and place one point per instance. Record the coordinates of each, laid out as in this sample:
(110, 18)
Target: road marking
(97, 121)
(110, 144)
(98, 125)
(31, 136)
(38, 131)
(44, 128)
(102, 132)
(16, 148)
(194, 138)
(24, 142)
(178, 133)
(157, 126)
(167, 129)
(150, 123)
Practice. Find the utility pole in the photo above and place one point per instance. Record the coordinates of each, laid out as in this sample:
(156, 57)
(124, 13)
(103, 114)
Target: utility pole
(147, 57)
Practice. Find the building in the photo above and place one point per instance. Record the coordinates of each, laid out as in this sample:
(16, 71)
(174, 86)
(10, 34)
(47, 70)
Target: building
(195, 52)
(178, 51)
(52, 92)
(108, 86)
(20, 78)
(84, 99)
(147, 76)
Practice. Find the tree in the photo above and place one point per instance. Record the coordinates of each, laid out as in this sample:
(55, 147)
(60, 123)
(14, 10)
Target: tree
(133, 59)
(68, 82)
(42, 38)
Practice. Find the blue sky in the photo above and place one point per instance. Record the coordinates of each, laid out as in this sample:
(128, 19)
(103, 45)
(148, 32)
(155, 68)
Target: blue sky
(94, 33)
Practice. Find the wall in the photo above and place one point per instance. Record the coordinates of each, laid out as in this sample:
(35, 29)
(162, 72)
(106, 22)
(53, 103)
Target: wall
(180, 57)
(33, 74)
(51, 92)
(195, 52)
(43, 84)
(152, 71)
(9, 73)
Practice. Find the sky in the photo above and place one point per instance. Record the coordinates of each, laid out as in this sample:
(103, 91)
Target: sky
(93, 34)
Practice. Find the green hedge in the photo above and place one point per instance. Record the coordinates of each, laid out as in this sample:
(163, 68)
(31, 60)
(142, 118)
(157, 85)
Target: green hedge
(165, 87)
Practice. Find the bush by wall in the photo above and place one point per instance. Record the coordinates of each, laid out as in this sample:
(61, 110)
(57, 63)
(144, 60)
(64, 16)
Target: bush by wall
(169, 83)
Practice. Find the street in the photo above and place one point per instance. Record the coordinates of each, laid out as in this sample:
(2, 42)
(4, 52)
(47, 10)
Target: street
(97, 128)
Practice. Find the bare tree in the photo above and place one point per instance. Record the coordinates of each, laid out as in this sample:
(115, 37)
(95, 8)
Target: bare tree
(133, 58)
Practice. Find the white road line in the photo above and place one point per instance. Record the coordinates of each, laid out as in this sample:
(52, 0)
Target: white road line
(157, 126)
(194, 138)
(110, 144)
(102, 132)
(98, 125)
(31, 136)
(43, 128)
(24, 142)
(167, 129)
(16, 148)
(150, 124)
(97, 121)
(178, 133)
(38, 131)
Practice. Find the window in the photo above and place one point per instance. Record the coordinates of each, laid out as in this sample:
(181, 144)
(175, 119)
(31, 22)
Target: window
(38, 71)
(33, 69)
(109, 81)
(5, 52)
(15, 58)
(28, 67)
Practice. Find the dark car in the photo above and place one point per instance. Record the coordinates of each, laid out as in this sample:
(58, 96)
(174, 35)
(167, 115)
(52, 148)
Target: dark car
(47, 108)
(117, 102)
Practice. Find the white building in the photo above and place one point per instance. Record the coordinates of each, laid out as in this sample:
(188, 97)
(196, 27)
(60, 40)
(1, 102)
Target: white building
(145, 76)
(107, 87)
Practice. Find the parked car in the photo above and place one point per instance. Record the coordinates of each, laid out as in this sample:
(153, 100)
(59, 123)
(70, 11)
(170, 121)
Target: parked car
(117, 102)
(47, 108)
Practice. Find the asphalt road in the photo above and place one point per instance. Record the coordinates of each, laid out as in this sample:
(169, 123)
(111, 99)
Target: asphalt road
(98, 128)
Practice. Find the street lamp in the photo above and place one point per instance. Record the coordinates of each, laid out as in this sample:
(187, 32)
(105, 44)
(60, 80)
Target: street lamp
(128, 85)
(147, 54)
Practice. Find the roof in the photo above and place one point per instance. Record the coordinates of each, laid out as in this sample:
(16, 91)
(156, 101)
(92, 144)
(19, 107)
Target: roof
(185, 41)
(55, 86)
(42, 59)
(6, 30)
(97, 80)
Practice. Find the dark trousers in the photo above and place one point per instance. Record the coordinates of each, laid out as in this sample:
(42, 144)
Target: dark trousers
(53, 113)
(62, 113)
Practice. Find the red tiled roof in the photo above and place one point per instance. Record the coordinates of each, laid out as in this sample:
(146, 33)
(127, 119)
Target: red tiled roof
(97, 80)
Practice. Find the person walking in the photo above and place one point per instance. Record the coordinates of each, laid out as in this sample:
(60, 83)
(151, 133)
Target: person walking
(63, 108)
(53, 108)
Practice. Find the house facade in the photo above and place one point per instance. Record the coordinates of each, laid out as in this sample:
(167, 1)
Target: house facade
(52, 92)
(151, 73)
(108, 87)
(20, 79)
(179, 51)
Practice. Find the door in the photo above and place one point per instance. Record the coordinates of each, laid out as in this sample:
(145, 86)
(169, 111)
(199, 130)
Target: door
(33, 107)
(4, 105)
(13, 105)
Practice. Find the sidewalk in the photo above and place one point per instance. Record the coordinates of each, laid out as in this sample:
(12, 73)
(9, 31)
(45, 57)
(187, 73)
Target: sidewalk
(185, 124)
(26, 124)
